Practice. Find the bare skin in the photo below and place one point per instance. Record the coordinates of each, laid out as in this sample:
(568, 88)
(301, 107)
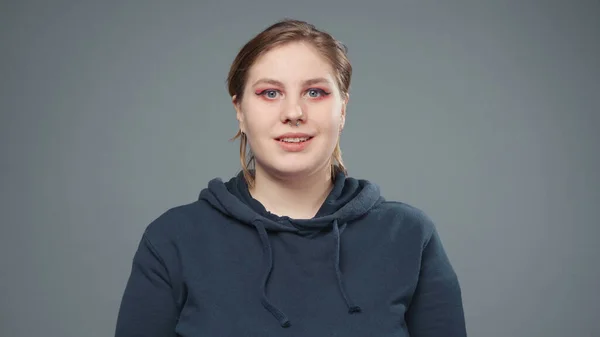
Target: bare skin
(292, 83)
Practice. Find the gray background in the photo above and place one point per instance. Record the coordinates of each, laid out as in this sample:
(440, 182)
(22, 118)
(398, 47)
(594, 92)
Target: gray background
(484, 114)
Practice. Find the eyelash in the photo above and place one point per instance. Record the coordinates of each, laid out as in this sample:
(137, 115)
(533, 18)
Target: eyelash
(322, 92)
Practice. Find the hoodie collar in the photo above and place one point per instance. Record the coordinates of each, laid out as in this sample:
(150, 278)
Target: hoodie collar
(349, 199)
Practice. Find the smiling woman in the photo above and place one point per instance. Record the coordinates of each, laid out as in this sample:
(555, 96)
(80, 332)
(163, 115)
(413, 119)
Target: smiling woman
(292, 241)
(292, 89)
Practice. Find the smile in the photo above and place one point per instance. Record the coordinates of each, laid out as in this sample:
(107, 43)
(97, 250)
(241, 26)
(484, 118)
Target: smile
(294, 144)
(294, 140)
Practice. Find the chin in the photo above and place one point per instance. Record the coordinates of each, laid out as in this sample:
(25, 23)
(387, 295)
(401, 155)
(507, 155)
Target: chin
(290, 168)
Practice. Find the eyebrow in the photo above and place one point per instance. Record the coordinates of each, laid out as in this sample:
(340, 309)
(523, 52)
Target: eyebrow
(279, 83)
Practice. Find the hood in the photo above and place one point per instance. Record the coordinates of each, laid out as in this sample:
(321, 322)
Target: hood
(349, 199)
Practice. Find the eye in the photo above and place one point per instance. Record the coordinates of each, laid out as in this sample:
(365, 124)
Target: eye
(316, 93)
(269, 93)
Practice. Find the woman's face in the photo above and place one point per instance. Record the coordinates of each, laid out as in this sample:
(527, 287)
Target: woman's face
(287, 84)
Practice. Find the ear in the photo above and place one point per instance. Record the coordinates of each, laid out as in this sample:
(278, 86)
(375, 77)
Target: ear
(238, 112)
(344, 108)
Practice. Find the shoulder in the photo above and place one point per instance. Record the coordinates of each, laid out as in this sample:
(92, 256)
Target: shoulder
(407, 218)
(174, 222)
(402, 217)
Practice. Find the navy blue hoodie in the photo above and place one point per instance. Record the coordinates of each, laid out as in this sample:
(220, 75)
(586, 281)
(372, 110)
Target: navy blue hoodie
(224, 266)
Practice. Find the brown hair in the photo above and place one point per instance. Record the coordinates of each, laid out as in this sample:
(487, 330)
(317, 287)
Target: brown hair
(278, 34)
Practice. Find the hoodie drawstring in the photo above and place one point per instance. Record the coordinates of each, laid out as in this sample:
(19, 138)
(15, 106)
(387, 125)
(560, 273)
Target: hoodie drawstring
(268, 259)
(268, 255)
(352, 308)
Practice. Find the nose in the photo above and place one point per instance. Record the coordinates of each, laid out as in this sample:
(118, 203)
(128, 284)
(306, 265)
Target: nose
(292, 111)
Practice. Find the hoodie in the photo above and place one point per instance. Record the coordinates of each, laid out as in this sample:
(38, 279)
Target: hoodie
(225, 266)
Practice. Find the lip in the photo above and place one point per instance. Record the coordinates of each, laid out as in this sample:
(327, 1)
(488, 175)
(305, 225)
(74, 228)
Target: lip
(293, 135)
(294, 147)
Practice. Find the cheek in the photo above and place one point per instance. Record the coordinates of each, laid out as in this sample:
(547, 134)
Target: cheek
(257, 118)
(259, 132)
(330, 128)
(334, 121)
(254, 128)
(326, 113)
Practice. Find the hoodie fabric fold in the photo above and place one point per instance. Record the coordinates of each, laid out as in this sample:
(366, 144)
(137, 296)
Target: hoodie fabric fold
(224, 265)
(348, 200)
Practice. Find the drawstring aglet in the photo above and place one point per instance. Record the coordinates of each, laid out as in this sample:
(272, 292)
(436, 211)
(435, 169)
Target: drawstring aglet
(354, 309)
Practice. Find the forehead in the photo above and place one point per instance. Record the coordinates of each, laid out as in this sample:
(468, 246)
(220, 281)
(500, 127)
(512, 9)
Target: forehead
(290, 63)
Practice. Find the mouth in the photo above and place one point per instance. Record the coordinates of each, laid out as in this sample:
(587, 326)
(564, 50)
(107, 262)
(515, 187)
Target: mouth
(293, 140)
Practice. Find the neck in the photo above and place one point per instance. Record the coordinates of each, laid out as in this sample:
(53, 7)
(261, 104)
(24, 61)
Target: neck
(295, 197)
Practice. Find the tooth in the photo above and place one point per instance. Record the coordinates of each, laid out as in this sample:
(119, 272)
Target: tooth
(294, 140)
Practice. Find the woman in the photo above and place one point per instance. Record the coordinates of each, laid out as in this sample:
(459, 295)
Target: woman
(292, 245)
